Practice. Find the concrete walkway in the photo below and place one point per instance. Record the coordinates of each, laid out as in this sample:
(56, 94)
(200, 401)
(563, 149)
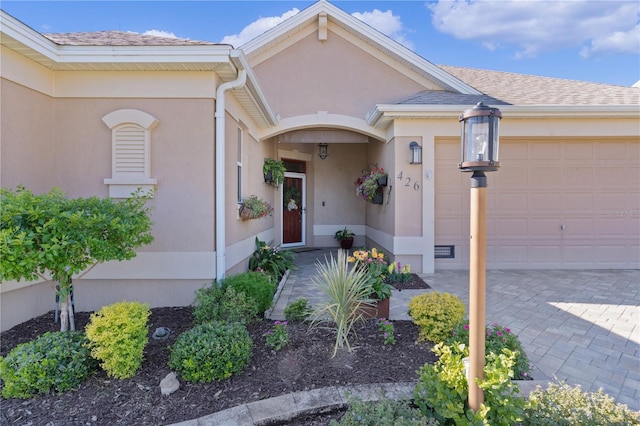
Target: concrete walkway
(580, 326)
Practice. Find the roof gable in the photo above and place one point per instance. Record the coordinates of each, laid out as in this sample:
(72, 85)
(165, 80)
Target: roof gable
(310, 20)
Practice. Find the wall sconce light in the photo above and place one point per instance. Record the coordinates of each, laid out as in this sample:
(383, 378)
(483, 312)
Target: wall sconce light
(323, 150)
(416, 153)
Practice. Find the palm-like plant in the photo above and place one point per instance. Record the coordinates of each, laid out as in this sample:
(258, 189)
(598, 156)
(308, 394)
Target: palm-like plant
(347, 289)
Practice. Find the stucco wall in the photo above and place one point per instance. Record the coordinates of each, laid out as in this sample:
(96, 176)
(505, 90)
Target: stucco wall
(332, 75)
(26, 137)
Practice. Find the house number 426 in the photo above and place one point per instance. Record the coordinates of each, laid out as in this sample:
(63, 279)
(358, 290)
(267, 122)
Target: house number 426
(408, 181)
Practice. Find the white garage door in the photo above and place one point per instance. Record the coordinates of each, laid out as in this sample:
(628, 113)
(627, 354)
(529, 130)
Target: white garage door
(554, 203)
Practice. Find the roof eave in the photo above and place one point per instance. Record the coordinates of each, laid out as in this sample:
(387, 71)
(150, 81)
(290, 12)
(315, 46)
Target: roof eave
(382, 115)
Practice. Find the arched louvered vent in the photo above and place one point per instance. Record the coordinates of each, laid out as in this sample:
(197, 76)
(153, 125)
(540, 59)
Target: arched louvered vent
(130, 152)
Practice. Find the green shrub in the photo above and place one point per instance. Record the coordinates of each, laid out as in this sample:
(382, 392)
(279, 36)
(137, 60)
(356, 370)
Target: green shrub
(118, 334)
(54, 361)
(298, 311)
(384, 412)
(211, 351)
(224, 303)
(443, 389)
(561, 404)
(271, 260)
(436, 314)
(255, 285)
(497, 337)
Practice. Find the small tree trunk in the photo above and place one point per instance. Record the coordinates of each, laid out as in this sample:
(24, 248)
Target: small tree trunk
(64, 312)
(67, 318)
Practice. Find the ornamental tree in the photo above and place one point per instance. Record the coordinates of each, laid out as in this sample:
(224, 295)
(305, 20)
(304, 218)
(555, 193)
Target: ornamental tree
(53, 237)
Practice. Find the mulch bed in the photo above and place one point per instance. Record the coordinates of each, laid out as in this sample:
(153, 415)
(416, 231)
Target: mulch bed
(415, 283)
(304, 364)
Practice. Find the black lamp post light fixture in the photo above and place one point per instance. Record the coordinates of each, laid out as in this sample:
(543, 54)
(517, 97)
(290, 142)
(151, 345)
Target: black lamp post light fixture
(416, 153)
(479, 154)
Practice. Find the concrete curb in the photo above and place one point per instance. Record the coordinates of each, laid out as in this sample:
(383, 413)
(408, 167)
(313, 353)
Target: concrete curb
(289, 406)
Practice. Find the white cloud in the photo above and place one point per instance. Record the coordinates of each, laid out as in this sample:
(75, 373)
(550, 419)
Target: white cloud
(256, 28)
(599, 27)
(159, 33)
(387, 23)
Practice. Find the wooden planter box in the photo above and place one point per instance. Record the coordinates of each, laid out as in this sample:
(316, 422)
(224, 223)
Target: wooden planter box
(380, 310)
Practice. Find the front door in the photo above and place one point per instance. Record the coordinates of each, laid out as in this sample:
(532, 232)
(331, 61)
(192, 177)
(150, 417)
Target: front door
(293, 209)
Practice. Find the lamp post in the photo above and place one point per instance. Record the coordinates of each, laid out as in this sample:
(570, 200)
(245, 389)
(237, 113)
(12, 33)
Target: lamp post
(479, 143)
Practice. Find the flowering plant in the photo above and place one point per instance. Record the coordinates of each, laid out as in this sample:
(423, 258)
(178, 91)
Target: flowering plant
(497, 338)
(387, 329)
(367, 185)
(398, 273)
(255, 207)
(278, 336)
(373, 262)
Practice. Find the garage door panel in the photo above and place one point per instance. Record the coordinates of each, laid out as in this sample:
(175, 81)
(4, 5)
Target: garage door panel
(578, 177)
(590, 186)
(544, 203)
(545, 177)
(577, 203)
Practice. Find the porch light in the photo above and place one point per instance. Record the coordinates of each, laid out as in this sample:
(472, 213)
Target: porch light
(323, 150)
(416, 153)
(480, 139)
(479, 143)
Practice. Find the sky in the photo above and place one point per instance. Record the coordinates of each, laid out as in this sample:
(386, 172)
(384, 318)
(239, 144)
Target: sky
(588, 40)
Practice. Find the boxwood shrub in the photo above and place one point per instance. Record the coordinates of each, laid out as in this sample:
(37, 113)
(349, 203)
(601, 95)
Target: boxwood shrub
(55, 361)
(211, 351)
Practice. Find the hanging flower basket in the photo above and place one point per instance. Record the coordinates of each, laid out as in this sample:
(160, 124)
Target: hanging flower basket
(254, 208)
(369, 186)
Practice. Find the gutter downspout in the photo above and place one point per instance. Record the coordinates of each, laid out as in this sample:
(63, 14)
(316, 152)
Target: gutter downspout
(220, 171)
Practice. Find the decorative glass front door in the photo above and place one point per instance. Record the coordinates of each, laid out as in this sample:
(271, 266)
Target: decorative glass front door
(293, 209)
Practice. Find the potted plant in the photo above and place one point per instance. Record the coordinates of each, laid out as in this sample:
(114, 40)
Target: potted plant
(369, 185)
(254, 208)
(273, 171)
(345, 237)
(373, 262)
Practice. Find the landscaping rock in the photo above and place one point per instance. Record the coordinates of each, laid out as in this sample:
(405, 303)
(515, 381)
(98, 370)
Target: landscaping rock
(169, 384)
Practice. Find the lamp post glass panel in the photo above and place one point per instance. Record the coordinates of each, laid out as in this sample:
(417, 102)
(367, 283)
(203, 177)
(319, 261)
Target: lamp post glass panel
(479, 153)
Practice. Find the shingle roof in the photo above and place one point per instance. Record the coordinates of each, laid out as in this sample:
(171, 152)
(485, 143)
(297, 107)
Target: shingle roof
(120, 38)
(522, 89)
(440, 97)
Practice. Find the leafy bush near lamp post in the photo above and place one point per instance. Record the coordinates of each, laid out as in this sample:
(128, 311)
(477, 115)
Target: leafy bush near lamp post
(57, 361)
(497, 337)
(211, 351)
(561, 404)
(117, 336)
(436, 314)
(443, 389)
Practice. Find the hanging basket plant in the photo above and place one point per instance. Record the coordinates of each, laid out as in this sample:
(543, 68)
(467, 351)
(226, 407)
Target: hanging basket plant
(369, 185)
(254, 208)
(273, 171)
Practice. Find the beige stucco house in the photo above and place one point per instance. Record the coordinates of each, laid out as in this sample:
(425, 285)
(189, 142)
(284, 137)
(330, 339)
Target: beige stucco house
(104, 113)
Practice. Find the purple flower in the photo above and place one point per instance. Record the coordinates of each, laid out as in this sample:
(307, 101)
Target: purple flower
(466, 326)
(284, 323)
(386, 335)
(499, 333)
(277, 322)
(506, 330)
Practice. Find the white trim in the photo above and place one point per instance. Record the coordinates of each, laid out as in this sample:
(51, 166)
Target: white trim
(241, 250)
(323, 119)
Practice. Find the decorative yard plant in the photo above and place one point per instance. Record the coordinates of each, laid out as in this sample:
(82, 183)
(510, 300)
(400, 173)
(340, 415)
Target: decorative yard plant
(436, 314)
(347, 289)
(53, 237)
(271, 260)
